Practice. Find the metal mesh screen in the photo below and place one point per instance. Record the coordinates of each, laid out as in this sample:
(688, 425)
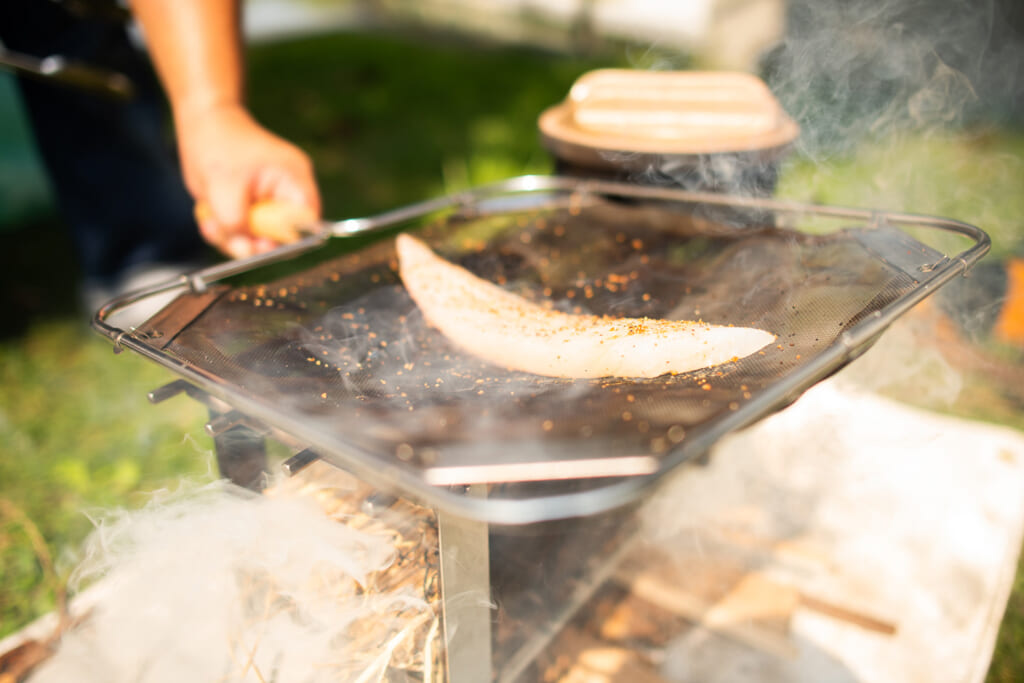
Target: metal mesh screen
(341, 347)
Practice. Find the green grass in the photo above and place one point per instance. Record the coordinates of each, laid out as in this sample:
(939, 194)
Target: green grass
(77, 434)
(975, 176)
(1007, 665)
(388, 120)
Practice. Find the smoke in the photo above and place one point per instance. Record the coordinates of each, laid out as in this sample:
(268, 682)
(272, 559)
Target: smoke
(855, 72)
(895, 79)
(214, 583)
(910, 106)
(894, 512)
(892, 96)
(401, 382)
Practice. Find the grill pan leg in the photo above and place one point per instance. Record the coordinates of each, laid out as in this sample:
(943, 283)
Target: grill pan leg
(241, 450)
(466, 595)
(241, 455)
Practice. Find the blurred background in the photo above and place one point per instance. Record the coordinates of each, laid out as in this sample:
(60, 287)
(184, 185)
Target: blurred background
(907, 105)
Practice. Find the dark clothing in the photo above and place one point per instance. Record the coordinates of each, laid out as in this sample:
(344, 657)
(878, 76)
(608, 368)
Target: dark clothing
(111, 162)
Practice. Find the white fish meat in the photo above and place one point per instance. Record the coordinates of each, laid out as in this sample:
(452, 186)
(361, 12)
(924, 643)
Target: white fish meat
(509, 331)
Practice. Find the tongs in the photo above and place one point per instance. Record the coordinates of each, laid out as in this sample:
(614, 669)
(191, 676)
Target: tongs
(287, 222)
(69, 72)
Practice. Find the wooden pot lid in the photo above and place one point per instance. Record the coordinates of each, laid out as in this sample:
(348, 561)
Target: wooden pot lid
(666, 113)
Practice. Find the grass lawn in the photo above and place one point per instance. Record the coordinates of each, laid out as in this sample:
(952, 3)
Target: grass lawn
(388, 120)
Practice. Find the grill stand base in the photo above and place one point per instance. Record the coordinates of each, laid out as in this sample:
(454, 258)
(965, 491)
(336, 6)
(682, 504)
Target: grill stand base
(466, 595)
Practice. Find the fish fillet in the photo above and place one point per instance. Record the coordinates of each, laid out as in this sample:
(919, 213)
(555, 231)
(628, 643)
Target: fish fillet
(504, 329)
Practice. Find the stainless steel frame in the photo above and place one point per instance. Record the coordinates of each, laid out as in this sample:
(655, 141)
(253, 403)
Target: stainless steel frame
(505, 511)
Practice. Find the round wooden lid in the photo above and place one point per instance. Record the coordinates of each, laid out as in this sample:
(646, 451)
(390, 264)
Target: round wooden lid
(620, 111)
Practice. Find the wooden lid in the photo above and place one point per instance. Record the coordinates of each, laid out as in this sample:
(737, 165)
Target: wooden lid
(668, 113)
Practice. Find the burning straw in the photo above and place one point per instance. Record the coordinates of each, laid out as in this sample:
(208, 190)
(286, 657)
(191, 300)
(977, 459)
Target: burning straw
(310, 582)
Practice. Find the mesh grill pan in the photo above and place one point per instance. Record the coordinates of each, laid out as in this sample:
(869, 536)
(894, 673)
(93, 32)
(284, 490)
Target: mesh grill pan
(336, 353)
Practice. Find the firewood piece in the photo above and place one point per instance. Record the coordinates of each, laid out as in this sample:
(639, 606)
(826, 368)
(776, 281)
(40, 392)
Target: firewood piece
(17, 664)
(584, 659)
(741, 614)
(848, 615)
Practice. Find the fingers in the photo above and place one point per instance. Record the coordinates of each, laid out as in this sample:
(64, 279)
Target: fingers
(222, 216)
(242, 219)
(229, 199)
(232, 164)
(238, 246)
(269, 224)
(284, 201)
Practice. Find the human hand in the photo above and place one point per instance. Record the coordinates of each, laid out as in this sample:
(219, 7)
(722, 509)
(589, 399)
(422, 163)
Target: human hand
(230, 162)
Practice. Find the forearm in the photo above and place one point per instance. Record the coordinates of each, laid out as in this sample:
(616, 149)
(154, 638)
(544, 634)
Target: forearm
(196, 47)
(228, 160)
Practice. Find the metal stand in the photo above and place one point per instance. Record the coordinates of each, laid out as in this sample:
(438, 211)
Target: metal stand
(466, 595)
(241, 455)
(240, 446)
